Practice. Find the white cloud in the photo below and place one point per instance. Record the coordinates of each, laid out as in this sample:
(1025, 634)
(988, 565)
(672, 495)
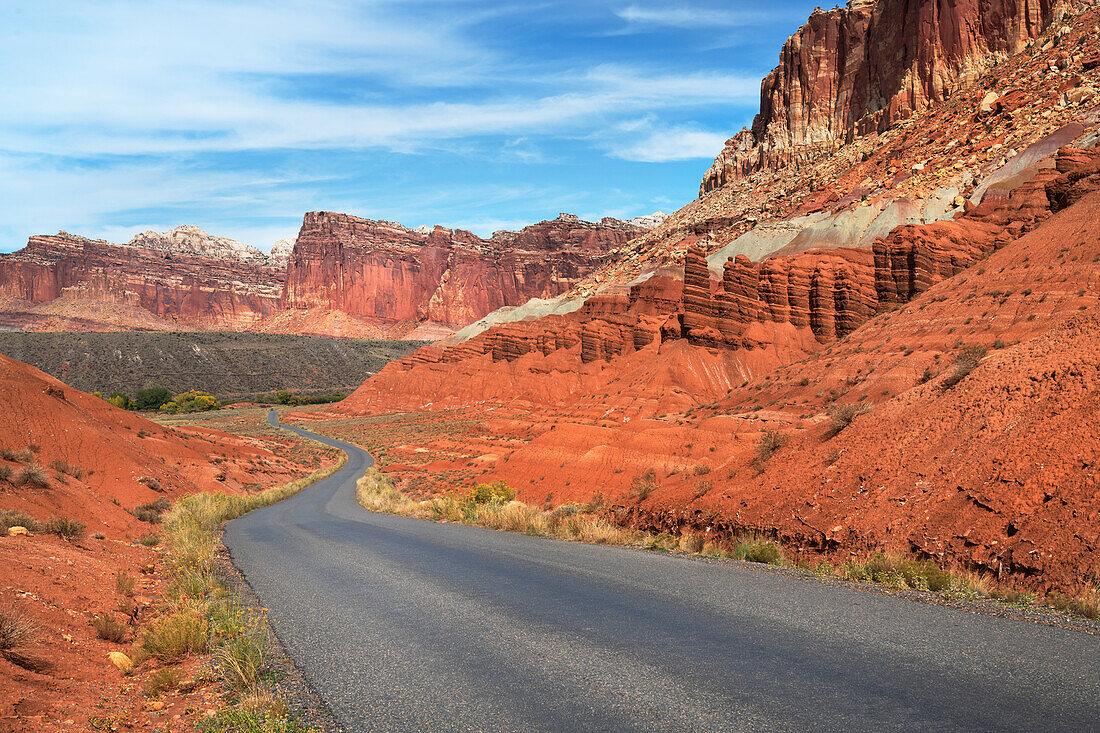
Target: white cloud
(664, 144)
(686, 16)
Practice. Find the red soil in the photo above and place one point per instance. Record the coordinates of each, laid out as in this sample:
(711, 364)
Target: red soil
(70, 684)
(994, 474)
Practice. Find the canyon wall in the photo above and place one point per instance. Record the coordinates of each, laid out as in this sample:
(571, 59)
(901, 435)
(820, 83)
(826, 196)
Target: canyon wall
(857, 70)
(204, 283)
(342, 276)
(387, 272)
(811, 298)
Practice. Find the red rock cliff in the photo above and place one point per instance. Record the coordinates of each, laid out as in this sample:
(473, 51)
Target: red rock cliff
(183, 288)
(387, 272)
(854, 71)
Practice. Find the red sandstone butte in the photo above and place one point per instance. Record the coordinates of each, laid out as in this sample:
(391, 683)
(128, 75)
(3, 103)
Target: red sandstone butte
(856, 70)
(388, 273)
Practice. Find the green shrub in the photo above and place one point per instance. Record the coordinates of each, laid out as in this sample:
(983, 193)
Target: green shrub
(755, 549)
(153, 511)
(14, 518)
(121, 401)
(151, 398)
(241, 659)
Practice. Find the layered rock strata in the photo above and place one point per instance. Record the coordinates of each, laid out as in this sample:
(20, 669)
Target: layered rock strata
(857, 70)
(385, 271)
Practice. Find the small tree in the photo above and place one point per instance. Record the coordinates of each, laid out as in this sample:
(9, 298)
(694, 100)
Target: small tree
(151, 398)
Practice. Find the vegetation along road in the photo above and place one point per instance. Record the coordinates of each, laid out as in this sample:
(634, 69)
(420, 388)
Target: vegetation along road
(403, 624)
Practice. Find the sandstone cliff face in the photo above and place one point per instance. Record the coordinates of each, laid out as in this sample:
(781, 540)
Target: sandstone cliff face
(857, 70)
(385, 271)
(188, 285)
(810, 298)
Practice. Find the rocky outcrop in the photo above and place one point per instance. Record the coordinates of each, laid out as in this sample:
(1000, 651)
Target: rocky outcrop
(853, 71)
(387, 272)
(190, 240)
(184, 278)
(823, 294)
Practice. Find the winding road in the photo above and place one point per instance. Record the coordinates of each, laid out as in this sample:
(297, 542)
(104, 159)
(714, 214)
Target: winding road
(402, 624)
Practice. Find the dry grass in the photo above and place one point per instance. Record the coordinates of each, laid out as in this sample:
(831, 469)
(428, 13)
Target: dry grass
(124, 583)
(841, 416)
(108, 628)
(1085, 604)
(17, 630)
(162, 680)
(171, 638)
(241, 660)
(33, 477)
(65, 468)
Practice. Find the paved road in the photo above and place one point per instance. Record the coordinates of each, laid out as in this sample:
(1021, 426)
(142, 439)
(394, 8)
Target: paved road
(402, 624)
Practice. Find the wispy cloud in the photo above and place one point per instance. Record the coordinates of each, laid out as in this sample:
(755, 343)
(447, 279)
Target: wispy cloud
(692, 16)
(242, 114)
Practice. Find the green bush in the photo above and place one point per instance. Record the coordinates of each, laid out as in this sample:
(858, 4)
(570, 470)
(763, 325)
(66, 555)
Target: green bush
(193, 401)
(14, 518)
(151, 398)
(65, 528)
(121, 400)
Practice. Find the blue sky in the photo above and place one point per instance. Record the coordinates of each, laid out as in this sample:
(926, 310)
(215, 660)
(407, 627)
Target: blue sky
(117, 117)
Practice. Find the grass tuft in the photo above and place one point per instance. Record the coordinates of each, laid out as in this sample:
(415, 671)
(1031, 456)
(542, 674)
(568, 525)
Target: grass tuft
(108, 628)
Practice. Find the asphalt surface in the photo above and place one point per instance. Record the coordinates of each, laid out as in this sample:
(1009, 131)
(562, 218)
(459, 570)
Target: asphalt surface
(402, 624)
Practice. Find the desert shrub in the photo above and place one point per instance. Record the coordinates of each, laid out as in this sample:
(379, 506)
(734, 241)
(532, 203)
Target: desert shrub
(172, 637)
(965, 362)
(770, 442)
(162, 680)
(498, 492)
(841, 416)
(66, 528)
(153, 511)
(108, 628)
(150, 540)
(758, 549)
(644, 484)
(6, 472)
(124, 583)
(33, 477)
(702, 488)
(151, 398)
(17, 630)
(14, 518)
(65, 468)
(151, 482)
(596, 503)
(926, 376)
(702, 469)
(900, 571)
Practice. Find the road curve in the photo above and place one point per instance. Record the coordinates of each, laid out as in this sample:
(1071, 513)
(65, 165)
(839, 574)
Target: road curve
(402, 624)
